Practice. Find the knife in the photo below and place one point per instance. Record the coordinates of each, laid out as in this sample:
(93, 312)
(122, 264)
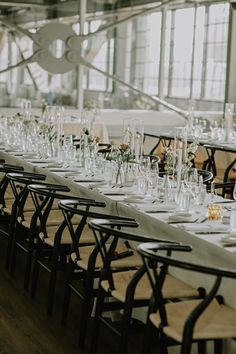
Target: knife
(233, 244)
(209, 232)
(155, 211)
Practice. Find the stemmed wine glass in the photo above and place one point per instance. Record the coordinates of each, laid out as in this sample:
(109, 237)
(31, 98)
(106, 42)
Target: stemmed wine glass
(234, 192)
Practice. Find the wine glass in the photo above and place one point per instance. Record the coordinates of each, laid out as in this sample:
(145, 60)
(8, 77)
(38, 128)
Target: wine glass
(234, 192)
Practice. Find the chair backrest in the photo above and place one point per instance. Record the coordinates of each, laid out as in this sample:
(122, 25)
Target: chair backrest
(207, 176)
(152, 254)
(107, 234)
(44, 197)
(73, 207)
(4, 169)
(18, 182)
(225, 189)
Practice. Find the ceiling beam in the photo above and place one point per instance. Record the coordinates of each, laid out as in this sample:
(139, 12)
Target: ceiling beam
(22, 4)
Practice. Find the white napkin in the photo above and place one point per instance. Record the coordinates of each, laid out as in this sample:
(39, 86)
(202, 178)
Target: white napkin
(135, 199)
(229, 239)
(206, 227)
(38, 161)
(115, 190)
(158, 207)
(181, 216)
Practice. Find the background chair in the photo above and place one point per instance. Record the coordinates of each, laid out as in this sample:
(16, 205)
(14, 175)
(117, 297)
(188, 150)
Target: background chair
(187, 321)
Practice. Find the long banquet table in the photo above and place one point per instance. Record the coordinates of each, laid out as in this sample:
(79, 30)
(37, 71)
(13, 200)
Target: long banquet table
(207, 248)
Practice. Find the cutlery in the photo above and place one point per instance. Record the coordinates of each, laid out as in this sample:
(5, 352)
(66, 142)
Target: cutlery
(224, 202)
(233, 244)
(202, 221)
(182, 222)
(209, 232)
(156, 211)
(114, 193)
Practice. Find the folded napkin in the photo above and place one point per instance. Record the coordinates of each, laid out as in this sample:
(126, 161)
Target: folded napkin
(38, 161)
(181, 217)
(135, 199)
(211, 227)
(229, 239)
(63, 169)
(156, 207)
(115, 190)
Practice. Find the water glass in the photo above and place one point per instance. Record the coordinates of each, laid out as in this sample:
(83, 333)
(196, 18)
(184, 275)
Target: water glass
(233, 220)
(142, 183)
(185, 201)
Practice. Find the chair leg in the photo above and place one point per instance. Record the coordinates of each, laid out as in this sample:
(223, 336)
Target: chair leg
(52, 282)
(88, 296)
(67, 293)
(218, 346)
(35, 275)
(13, 260)
(202, 347)
(125, 328)
(11, 241)
(96, 324)
(28, 265)
(163, 344)
(148, 335)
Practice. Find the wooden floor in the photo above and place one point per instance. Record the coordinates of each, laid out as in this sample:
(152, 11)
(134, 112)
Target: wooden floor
(26, 329)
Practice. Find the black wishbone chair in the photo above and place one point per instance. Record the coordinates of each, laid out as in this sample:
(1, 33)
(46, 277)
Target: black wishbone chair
(6, 195)
(21, 204)
(128, 289)
(53, 241)
(86, 263)
(187, 321)
(224, 189)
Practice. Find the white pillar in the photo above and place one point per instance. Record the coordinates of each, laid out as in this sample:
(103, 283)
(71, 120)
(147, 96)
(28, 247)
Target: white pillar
(80, 68)
(231, 89)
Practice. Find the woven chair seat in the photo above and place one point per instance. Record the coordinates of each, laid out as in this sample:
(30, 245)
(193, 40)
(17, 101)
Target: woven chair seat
(28, 207)
(173, 287)
(86, 238)
(55, 218)
(216, 322)
(130, 261)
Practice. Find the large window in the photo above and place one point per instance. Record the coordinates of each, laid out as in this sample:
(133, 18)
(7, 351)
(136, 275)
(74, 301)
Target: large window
(198, 52)
(179, 54)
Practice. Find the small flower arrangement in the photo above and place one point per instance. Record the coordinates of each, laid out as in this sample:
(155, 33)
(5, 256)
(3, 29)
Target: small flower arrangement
(170, 157)
(191, 153)
(47, 130)
(121, 154)
(169, 160)
(91, 139)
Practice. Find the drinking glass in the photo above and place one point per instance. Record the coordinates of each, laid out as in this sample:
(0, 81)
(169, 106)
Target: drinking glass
(142, 183)
(233, 220)
(234, 192)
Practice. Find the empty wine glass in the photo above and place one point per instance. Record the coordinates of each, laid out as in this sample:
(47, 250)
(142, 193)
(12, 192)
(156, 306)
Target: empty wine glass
(234, 192)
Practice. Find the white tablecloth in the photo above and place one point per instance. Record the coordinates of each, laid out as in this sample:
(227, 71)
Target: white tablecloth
(207, 249)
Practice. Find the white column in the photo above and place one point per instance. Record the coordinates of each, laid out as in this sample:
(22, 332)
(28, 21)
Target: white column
(80, 70)
(231, 89)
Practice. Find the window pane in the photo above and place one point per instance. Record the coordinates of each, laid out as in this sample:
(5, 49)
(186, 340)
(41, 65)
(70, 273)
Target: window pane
(97, 81)
(198, 52)
(182, 54)
(145, 54)
(216, 53)
(167, 51)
